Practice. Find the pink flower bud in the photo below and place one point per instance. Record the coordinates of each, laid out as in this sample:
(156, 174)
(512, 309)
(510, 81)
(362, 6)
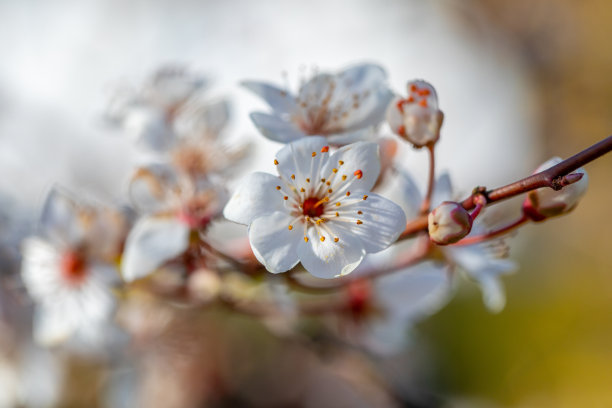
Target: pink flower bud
(448, 223)
(544, 203)
(416, 118)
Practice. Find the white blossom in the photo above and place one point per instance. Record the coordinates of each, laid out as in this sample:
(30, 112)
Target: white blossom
(417, 117)
(69, 273)
(318, 211)
(344, 107)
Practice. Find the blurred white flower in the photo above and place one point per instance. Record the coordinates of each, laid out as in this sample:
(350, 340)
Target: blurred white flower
(174, 205)
(344, 107)
(69, 271)
(480, 261)
(319, 211)
(546, 202)
(168, 108)
(416, 118)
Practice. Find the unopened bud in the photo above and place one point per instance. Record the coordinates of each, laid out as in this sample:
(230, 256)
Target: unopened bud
(448, 223)
(544, 203)
(416, 118)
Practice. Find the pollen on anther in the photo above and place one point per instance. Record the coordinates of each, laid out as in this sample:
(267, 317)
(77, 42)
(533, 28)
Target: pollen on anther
(340, 162)
(308, 180)
(275, 162)
(290, 227)
(336, 239)
(325, 149)
(343, 177)
(359, 222)
(335, 170)
(360, 212)
(348, 193)
(302, 189)
(293, 177)
(423, 103)
(285, 197)
(314, 154)
(358, 174)
(337, 214)
(329, 190)
(322, 180)
(328, 183)
(365, 197)
(278, 187)
(322, 239)
(338, 204)
(305, 239)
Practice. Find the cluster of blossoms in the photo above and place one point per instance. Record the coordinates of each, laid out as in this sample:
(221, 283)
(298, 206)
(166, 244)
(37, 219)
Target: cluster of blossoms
(345, 227)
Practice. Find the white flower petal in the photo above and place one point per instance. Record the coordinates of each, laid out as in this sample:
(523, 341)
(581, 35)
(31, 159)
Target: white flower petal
(415, 292)
(278, 99)
(382, 221)
(275, 128)
(407, 194)
(150, 185)
(493, 294)
(395, 117)
(60, 219)
(357, 156)
(362, 76)
(443, 190)
(274, 245)
(39, 267)
(148, 126)
(51, 325)
(296, 158)
(328, 259)
(254, 198)
(153, 241)
(316, 88)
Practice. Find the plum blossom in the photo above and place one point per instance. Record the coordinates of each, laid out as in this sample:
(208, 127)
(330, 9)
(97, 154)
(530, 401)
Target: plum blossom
(318, 210)
(543, 203)
(417, 117)
(483, 262)
(69, 271)
(174, 205)
(343, 107)
(170, 116)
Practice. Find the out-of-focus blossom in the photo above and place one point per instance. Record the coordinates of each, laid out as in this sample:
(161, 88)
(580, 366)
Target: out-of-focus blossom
(543, 203)
(344, 107)
(69, 270)
(319, 211)
(175, 205)
(448, 223)
(385, 308)
(417, 117)
(482, 262)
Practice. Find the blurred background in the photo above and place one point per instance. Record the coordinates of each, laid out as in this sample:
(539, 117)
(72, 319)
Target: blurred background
(518, 81)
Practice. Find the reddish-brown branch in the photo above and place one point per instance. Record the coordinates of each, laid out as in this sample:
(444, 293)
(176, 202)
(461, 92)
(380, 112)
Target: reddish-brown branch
(553, 177)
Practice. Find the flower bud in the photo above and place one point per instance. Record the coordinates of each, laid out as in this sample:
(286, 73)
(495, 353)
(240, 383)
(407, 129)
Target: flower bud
(544, 203)
(416, 118)
(448, 223)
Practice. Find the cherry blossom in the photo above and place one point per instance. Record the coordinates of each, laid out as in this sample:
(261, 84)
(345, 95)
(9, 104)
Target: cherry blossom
(417, 117)
(319, 210)
(69, 270)
(343, 107)
(174, 205)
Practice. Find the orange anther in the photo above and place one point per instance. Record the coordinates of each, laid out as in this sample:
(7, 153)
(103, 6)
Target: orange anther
(324, 149)
(358, 174)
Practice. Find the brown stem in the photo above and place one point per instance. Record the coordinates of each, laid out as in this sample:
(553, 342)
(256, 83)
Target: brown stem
(552, 177)
(426, 204)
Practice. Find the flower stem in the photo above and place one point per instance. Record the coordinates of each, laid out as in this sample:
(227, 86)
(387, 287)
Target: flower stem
(426, 204)
(555, 177)
(495, 233)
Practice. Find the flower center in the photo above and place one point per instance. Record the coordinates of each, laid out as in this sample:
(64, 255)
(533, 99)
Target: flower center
(73, 267)
(312, 207)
